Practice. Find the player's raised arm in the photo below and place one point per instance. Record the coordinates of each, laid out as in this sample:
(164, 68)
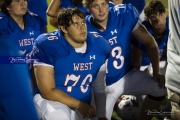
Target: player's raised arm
(52, 12)
(53, 8)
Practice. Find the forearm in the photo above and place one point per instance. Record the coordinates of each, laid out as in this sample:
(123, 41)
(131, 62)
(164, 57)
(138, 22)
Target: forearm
(53, 8)
(154, 57)
(53, 21)
(60, 96)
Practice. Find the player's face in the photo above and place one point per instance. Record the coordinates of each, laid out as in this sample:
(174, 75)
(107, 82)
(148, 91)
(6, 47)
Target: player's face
(158, 21)
(17, 8)
(76, 33)
(99, 9)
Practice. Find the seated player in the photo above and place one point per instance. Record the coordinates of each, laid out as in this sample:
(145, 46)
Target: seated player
(70, 60)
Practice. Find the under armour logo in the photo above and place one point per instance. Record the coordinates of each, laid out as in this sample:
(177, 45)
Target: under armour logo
(113, 32)
(31, 33)
(92, 57)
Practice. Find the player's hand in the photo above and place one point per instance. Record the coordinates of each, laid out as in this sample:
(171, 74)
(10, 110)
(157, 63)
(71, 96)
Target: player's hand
(160, 79)
(86, 110)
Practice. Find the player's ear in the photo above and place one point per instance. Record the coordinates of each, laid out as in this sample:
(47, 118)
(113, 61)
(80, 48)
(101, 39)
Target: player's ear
(62, 28)
(8, 8)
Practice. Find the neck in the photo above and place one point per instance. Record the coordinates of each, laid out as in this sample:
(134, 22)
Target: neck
(158, 32)
(74, 43)
(103, 24)
(78, 45)
(19, 21)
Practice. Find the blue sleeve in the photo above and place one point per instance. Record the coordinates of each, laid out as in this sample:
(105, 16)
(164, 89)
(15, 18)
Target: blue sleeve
(127, 12)
(5, 26)
(41, 51)
(131, 14)
(16, 101)
(39, 7)
(139, 4)
(35, 21)
(101, 45)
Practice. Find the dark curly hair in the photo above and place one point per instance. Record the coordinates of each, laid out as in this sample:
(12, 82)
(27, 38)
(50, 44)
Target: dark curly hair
(153, 8)
(87, 3)
(65, 17)
(4, 4)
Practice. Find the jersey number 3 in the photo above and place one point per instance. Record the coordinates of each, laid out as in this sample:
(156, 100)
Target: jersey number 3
(117, 54)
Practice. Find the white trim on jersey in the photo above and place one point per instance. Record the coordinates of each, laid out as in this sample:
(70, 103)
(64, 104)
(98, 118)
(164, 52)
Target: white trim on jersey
(136, 26)
(43, 64)
(82, 49)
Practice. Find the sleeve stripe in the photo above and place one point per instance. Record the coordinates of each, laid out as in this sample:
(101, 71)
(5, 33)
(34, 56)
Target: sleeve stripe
(43, 64)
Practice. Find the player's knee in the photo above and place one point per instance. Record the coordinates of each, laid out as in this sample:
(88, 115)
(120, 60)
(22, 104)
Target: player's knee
(157, 92)
(159, 98)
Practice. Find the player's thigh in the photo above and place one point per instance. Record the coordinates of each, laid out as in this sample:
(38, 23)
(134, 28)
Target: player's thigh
(131, 83)
(116, 89)
(141, 83)
(52, 110)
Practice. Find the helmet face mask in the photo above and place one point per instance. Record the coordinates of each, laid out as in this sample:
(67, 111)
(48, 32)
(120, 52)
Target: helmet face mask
(129, 106)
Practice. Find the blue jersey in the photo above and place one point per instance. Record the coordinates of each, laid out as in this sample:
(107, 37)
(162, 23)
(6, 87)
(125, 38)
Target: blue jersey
(74, 72)
(111, 4)
(16, 101)
(9, 29)
(139, 4)
(38, 7)
(162, 45)
(121, 21)
(70, 4)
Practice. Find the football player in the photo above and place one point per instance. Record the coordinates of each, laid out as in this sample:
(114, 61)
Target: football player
(116, 25)
(157, 24)
(18, 25)
(69, 60)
